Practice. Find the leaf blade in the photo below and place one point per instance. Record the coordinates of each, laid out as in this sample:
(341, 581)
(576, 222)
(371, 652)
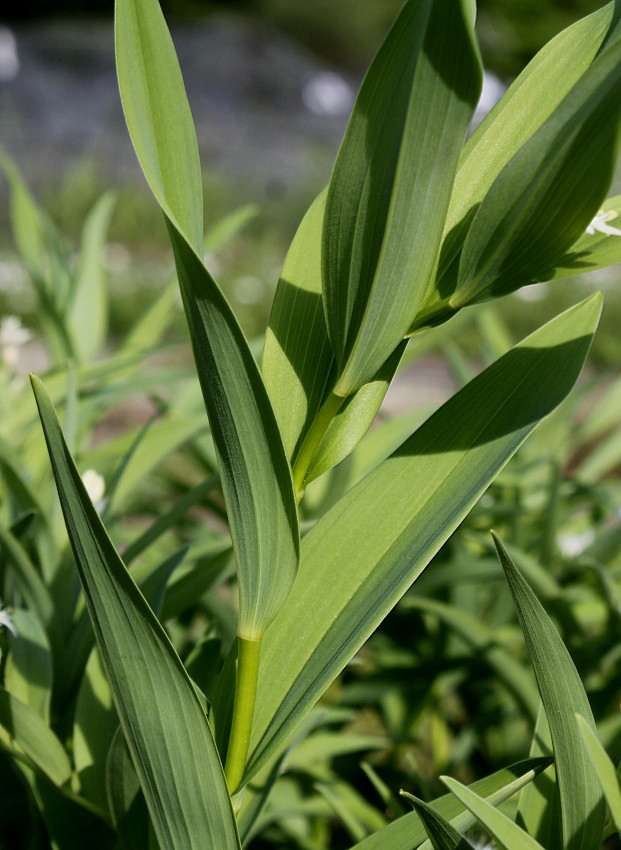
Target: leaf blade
(171, 744)
(562, 693)
(403, 511)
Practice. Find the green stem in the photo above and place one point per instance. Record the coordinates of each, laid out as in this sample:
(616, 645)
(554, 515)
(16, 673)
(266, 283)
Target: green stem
(312, 441)
(248, 652)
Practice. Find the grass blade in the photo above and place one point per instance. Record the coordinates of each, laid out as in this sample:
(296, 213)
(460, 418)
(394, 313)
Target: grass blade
(407, 832)
(441, 832)
(506, 833)
(582, 805)
(605, 769)
(160, 714)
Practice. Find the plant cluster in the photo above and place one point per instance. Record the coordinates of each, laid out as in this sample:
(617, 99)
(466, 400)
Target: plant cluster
(183, 688)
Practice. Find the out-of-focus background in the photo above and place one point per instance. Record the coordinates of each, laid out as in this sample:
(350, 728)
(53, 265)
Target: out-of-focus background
(271, 83)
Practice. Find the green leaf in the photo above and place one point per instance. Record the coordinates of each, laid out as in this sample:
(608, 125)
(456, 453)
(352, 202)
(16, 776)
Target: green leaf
(28, 673)
(26, 728)
(375, 542)
(298, 361)
(126, 803)
(354, 418)
(605, 769)
(530, 100)
(582, 806)
(442, 834)
(544, 198)
(87, 317)
(158, 114)
(164, 725)
(505, 831)
(390, 189)
(539, 806)
(95, 723)
(407, 832)
(298, 357)
(255, 474)
(593, 251)
(256, 477)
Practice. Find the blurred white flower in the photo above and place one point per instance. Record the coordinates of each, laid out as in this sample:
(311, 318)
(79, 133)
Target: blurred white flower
(599, 224)
(7, 621)
(327, 93)
(9, 60)
(95, 487)
(12, 337)
(572, 545)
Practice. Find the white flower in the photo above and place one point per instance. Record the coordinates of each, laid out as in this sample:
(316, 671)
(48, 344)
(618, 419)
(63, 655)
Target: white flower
(7, 621)
(12, 337)
(95, 486)
(599, 224)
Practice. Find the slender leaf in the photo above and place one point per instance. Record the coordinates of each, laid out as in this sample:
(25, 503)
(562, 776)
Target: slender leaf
(256, 477)
(605, 769)
(374, 543)
(28, 673)
(88, 312)
(391, 184)
(565, 167)
(505, 831)
(530, 100)
(162, 719)
(442, 834)
(407, 832)
(582, 805)
(26, 728)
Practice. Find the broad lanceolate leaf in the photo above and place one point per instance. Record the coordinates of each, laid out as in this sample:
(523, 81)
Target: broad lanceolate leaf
(544, 198)
(164, 725)
(361, 557)
(505, 831)
(583, 810)
(256, 477)
(530, 100)
(390, 189)
(604, 768)
(158, 114)
(298, 361)
(407, 832)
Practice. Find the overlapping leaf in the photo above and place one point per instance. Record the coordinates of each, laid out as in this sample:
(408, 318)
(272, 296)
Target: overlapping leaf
(546, 195)
(407, 832)
(362, 555)
(391, 184)
(256, 477)
(530, 100)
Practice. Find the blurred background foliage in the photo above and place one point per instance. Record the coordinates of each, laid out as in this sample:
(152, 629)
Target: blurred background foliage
(347, 33)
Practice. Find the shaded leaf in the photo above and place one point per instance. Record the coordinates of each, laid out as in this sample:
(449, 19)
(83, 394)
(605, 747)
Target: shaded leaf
(583, 809)
(162, 720)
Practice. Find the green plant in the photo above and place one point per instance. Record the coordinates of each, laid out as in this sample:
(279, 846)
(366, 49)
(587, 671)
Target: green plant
(413, 228)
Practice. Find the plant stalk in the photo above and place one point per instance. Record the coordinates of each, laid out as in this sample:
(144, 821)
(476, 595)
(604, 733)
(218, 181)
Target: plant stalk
(312, 441)
(248, 652)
